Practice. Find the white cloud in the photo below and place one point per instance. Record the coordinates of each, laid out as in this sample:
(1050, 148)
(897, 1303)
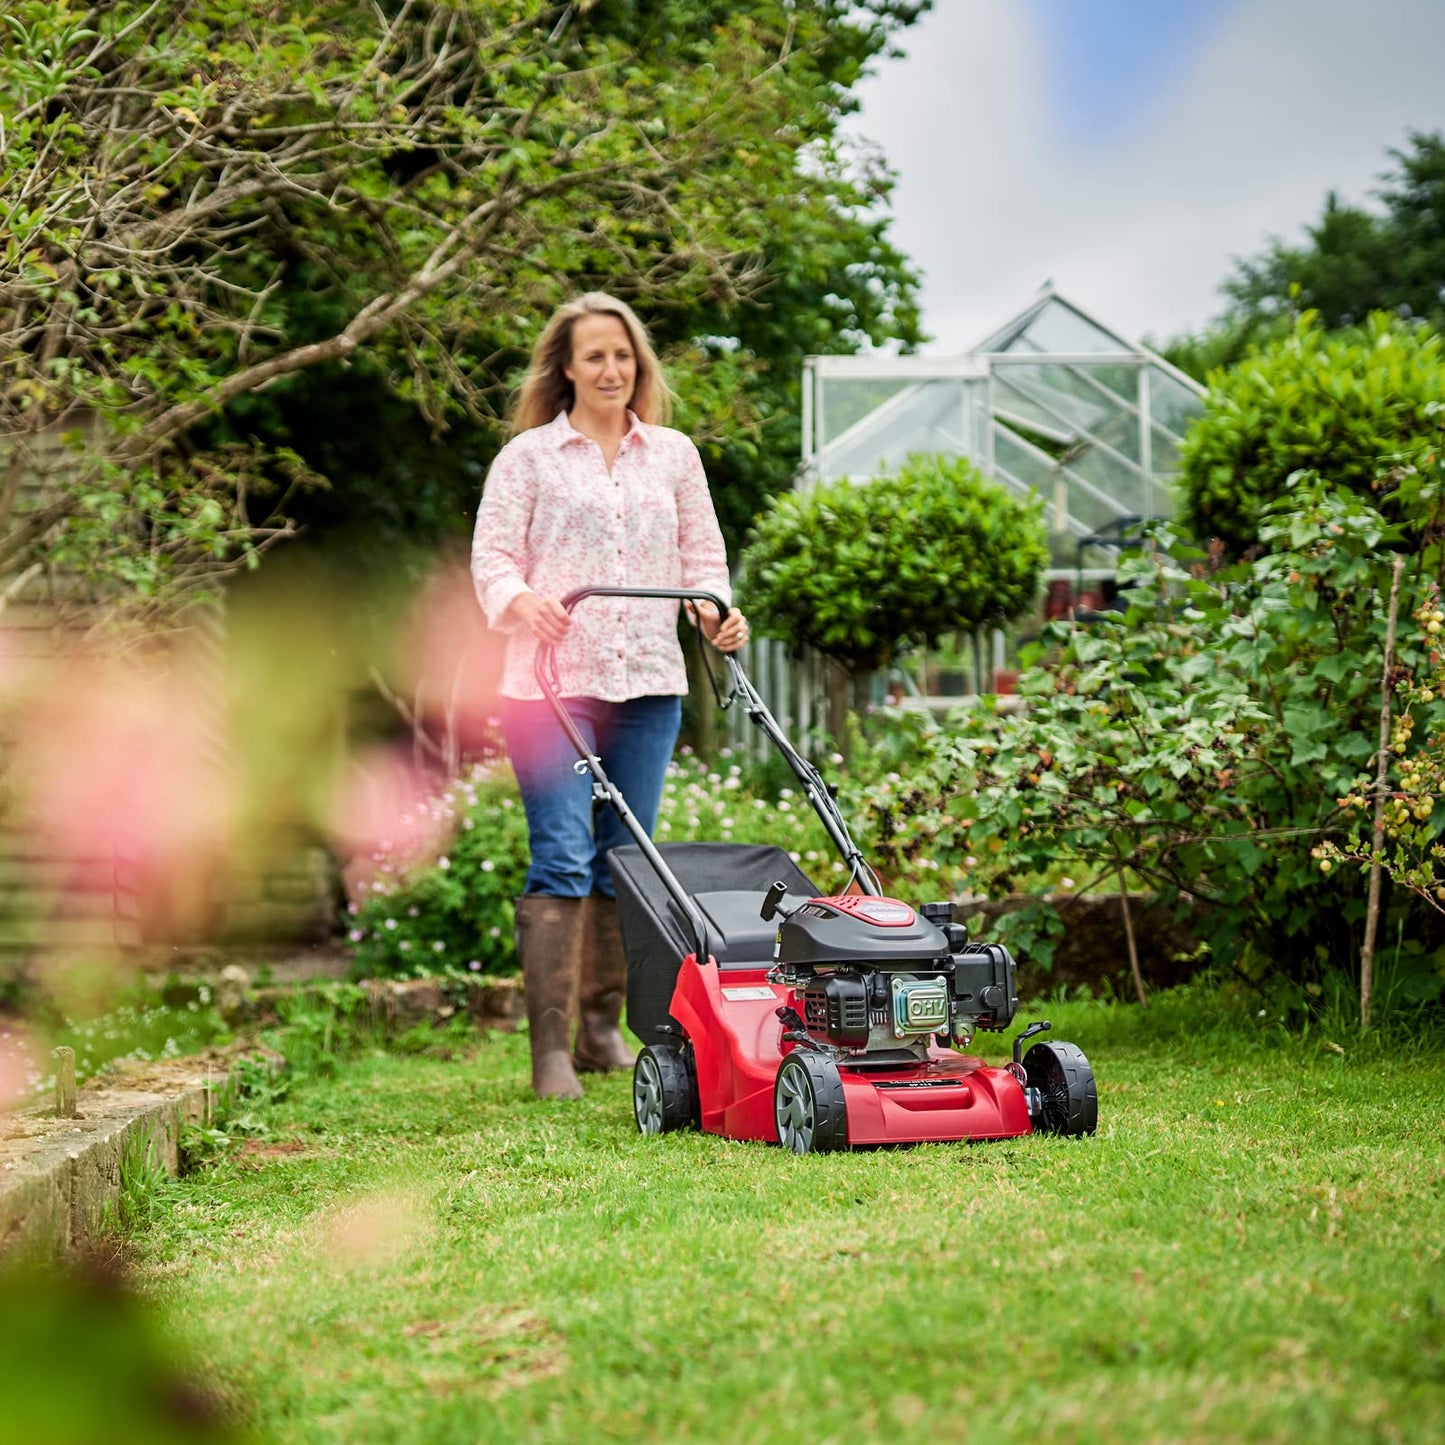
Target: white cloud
(1284, 101)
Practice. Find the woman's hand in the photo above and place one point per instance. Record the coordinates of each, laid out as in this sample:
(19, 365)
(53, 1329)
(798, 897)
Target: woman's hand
(544, 617)
(727, 636)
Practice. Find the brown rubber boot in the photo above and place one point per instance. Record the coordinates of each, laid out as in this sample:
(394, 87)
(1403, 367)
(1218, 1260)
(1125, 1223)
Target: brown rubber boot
(600, 1045)
(549, 944)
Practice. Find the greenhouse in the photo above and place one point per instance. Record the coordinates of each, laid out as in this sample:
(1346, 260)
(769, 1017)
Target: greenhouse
(1053, 402)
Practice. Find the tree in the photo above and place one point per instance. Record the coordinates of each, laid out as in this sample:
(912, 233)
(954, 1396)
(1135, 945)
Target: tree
(208, 198)
(1337, 404)
(858, 571)
(1353, 262)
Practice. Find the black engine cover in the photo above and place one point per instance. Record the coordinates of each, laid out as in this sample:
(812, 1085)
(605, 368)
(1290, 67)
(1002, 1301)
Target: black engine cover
(819, 934)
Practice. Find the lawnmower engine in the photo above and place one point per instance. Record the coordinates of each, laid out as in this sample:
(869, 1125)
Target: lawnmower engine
(875, 978)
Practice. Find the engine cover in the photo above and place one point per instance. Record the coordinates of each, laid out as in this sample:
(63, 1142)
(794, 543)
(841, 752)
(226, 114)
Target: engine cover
(832, 931)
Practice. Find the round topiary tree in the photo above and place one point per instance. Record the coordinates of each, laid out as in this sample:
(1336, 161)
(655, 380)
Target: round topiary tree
(1336, 403)
(857, 571)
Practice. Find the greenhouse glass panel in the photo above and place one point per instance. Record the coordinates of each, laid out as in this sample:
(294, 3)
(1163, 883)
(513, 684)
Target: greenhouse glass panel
(1072, 403)
(1059, 327)
(925, 416)
(1124, 489)
(845, 402)
(1171, 403)
(1165, 457)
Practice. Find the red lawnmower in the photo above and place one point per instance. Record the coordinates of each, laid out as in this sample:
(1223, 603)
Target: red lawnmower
(771, 1011)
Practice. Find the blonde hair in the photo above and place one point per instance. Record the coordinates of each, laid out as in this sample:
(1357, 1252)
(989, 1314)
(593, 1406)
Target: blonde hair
(546, 390)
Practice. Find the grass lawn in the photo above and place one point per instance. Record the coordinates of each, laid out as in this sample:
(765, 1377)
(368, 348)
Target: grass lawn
(1249, 1249)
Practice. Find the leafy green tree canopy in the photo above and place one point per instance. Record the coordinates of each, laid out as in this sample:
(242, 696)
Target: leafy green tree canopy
(1339, 405)
(204, 201)
(859, 570)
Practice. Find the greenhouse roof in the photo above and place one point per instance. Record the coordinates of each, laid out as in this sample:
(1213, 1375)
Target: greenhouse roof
(1054, 402)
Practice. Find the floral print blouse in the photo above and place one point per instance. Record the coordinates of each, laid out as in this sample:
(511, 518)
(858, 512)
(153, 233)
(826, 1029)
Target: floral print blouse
(553, 519)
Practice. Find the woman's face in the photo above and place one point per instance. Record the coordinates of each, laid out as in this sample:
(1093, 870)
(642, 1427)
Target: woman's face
(603, 369)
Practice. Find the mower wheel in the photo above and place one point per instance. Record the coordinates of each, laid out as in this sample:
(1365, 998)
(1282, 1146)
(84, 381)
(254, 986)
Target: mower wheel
(808, 1104)
(664, 1092)
(1067, 1101)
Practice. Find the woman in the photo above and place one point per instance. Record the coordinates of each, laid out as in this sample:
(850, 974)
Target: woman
(592, 490)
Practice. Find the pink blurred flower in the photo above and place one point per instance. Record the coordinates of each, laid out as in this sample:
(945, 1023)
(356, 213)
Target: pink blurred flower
(379, 817)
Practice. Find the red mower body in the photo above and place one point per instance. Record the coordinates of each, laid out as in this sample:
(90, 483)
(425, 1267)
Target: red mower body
(731, 1021)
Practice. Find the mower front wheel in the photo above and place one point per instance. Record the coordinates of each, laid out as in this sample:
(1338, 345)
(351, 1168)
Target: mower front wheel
(1064, 1099)
(664, 1092)
(808, 1104)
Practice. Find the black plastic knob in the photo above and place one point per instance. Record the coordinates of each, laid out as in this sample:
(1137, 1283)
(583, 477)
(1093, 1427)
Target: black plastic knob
(937, 913)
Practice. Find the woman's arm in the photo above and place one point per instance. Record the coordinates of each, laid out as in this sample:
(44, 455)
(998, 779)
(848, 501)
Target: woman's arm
(499, 543)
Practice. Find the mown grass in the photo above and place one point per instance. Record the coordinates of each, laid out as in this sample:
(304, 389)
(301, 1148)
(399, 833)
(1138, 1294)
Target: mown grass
(1249, 1249)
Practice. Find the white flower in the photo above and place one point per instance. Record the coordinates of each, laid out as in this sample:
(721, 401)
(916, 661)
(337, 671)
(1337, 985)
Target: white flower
(474, 965)
(444, 861)
(391, 923)
(494, 932)
(835, 758)
(404, 945)
(438, 947)
(413, 911)
(469, 823)
(356, 935)
(785, 792)
(487, 865)
(796, 857)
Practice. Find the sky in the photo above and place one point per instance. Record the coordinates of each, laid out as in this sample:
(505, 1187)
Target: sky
(1127, 150)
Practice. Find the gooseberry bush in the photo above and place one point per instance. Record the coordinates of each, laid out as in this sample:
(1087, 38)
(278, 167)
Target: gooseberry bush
(1213, 745)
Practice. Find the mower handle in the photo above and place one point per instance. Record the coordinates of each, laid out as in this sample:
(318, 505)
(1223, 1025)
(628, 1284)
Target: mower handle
(544, 666)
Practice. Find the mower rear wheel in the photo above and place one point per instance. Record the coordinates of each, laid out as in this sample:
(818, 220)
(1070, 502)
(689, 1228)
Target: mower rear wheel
(1067, 1099)
(664, 1092)
(808, 1104)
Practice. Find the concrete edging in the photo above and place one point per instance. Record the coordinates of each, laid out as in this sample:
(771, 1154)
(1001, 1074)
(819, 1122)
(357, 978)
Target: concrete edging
(60, 1178)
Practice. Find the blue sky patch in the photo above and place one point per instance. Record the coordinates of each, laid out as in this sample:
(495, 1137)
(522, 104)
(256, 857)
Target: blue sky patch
(1111, 62)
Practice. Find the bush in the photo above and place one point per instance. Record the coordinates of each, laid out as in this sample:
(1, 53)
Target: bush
(1206, 743)
(462, 899)
(1337, 404)
(451, 912)
(858, 571)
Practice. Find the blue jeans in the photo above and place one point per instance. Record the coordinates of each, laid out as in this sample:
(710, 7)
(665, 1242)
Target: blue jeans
(569, 844)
